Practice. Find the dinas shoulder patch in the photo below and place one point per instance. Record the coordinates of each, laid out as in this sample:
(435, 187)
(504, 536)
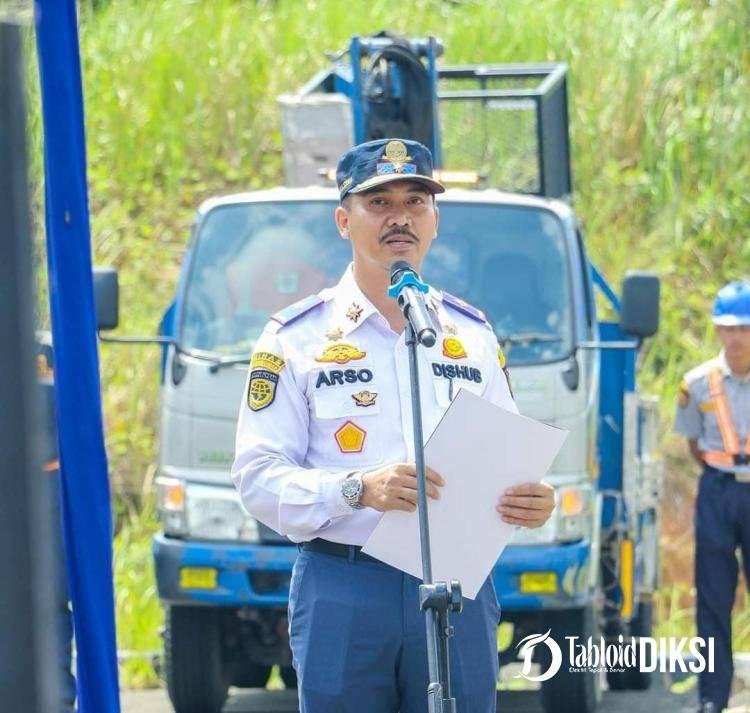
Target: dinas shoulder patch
(464, 307)
(265, 368)
(294, 311)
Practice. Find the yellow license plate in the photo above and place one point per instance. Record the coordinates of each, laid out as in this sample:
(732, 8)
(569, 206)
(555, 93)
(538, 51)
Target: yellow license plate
(198, 578)
(538, 583)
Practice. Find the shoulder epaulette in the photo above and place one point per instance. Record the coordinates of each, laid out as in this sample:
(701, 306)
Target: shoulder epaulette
(294, 311)
(464, 307)
(702, 370)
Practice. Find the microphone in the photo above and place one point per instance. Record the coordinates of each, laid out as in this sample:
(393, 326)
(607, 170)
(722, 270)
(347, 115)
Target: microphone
(409, 291)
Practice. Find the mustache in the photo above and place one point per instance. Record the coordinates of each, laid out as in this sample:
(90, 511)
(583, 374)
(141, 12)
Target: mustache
(399, 230)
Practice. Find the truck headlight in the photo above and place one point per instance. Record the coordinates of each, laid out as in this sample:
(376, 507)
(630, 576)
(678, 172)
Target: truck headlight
(570, 520)
(572, 513)
(170, 500)
(216, 513)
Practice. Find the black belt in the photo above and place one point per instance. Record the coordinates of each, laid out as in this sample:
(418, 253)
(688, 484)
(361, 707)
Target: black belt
(351, 552)
(727, 474)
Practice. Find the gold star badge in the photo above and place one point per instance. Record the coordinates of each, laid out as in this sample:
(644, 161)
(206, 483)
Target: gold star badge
(354, 312)
(334, 334)
(450, 328)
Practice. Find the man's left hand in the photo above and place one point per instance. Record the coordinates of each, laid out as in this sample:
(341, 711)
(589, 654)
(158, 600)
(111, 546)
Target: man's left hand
(529, 505)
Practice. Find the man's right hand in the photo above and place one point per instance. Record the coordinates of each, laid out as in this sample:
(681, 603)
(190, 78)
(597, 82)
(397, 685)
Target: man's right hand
(395, 487)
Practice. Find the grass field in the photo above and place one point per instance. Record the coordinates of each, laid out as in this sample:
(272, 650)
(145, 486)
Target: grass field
(180, 105)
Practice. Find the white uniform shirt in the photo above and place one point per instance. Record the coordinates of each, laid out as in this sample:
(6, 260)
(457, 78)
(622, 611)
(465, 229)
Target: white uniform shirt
(330, 395)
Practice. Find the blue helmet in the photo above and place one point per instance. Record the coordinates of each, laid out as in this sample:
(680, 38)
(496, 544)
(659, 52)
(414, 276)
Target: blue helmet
(732, 306)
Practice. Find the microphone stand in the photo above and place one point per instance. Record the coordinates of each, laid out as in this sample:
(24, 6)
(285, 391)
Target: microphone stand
(436, 599)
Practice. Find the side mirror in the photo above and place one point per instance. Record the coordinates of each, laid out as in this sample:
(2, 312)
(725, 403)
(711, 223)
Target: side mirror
(639, 314)
(106, 298)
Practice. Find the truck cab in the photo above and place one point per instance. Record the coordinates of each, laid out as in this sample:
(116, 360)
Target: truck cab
(223, 577)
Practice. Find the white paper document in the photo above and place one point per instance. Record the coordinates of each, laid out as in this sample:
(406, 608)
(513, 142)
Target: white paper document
(480, 449)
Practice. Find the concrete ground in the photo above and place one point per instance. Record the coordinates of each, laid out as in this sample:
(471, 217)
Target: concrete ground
(656, 700)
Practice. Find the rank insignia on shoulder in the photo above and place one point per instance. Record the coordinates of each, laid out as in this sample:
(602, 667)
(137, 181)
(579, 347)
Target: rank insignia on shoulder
(341, 353)
(261, 389)
(294, 311)
(354, 312)
(464, 307)
(365, 398)
(684, 398)
(453, 348)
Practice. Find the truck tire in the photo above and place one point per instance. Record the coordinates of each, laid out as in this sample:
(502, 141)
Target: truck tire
(248, 674)
(641, 625)
(633, 678)
(196, 680)
(568, 692)
(289, 676)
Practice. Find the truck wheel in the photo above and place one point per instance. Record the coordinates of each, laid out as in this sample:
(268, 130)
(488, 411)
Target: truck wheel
(566, 691)
(641, 625)
(192, 659)
(289, 676)
(248, 674)
(633, 678)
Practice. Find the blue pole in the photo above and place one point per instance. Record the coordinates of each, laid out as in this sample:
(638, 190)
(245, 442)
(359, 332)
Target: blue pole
(87, 519)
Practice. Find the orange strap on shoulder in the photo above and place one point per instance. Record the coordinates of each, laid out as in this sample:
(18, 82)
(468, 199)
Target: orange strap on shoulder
(725, 458)
(723, 415)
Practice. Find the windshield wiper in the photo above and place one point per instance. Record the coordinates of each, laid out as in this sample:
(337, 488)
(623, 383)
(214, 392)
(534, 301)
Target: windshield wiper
(528, 338)
(220, 362)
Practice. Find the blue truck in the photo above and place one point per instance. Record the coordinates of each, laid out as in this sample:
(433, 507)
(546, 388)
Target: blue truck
(510, 243)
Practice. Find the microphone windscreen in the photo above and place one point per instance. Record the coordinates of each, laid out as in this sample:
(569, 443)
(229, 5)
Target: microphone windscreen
(398, 268)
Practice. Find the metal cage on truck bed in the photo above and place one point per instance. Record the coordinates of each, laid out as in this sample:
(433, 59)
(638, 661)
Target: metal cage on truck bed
(503, 126)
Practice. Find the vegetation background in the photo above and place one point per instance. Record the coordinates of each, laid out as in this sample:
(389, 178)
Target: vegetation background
(181, 105)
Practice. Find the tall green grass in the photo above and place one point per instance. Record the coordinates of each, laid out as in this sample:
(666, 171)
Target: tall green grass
(180, 105)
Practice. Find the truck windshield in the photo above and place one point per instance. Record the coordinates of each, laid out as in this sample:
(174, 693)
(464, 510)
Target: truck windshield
(252, 259)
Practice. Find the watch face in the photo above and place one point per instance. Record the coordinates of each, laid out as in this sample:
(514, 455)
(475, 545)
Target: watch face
(351, 488)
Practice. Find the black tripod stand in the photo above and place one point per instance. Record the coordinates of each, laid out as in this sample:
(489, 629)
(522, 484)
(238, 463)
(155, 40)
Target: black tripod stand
(436, 599)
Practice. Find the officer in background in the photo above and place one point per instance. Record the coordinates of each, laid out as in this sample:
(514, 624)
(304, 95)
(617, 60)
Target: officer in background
(324, 447)
(59, 580)
(714, 415)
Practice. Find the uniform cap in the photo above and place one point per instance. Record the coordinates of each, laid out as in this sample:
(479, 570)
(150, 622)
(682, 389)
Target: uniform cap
(374, 163)
(732, 306)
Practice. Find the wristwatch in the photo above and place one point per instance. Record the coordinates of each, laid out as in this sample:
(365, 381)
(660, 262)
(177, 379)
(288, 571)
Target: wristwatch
(351, 489)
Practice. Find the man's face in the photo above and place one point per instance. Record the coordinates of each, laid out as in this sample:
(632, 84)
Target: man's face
(736, 341)
(397, 221)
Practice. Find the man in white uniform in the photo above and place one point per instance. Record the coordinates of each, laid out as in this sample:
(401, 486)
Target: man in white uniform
(325, 446)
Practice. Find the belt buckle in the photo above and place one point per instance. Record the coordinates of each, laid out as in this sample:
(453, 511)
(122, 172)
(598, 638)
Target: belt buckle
(743, 477)
(742, 459)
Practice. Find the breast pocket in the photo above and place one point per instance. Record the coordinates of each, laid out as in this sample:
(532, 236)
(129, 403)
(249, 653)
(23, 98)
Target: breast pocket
(449, 378)
(345, 418)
